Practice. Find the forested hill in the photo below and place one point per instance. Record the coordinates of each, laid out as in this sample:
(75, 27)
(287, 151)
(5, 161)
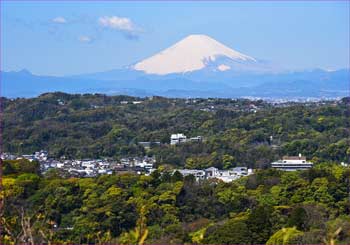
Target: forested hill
(267, 207)
(236, 132)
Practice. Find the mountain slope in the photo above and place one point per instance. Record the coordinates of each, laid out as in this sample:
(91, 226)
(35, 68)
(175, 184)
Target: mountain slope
(196, 57)
(190, 54)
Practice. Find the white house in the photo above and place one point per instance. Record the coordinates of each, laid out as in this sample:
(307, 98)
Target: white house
(227, 175)
(144, 164)
(177, 138)
(198, 174)
(292, 163)
(181, 138)
(214, 173)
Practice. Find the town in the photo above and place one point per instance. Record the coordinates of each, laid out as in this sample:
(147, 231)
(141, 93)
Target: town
(139, 165)
(88, 167)
(146, 165)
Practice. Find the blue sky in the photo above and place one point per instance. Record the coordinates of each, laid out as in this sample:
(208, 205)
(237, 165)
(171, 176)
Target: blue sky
(63, 38)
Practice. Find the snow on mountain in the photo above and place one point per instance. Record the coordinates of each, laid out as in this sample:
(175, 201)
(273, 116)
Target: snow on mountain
(192, 53)
(223, 67)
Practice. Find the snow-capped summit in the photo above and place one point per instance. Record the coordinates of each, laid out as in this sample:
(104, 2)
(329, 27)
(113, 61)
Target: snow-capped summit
(192, 53)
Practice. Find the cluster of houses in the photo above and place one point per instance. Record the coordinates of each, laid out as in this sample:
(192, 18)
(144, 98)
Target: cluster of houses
(95, 167)
(78, 168)
(288, 163)
(37, 156)
(145, 165)
(181, 138)
(214, 173)
(88, 167)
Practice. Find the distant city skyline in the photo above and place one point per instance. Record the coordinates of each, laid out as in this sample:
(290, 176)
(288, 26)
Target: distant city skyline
(65, 38)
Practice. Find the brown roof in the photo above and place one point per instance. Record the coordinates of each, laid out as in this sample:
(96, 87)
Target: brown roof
(294, 158)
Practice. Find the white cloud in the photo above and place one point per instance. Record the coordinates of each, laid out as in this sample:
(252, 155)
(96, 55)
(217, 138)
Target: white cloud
(59, 20)
(118, 23)
(85, 39)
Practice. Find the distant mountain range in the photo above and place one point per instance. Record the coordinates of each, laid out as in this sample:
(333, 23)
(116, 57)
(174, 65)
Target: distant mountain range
(197, 66)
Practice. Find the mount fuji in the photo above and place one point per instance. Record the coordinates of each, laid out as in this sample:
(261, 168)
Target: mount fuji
(198, 52)
(196, 66)
(196, 57)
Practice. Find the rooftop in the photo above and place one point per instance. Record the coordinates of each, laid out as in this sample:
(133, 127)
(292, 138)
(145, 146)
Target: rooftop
(294, 158)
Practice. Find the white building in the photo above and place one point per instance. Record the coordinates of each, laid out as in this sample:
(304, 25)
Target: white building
(88, 164)
(198, 174)
(177, 139)
(211, 172)
(144, 164)
(214, 173)
(292, 163)
(181, 138)
(227, 175)
(41, 155)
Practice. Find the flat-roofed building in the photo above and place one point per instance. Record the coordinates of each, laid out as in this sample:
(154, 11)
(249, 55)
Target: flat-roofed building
(198, 174)
(177, 138)
(292, 163)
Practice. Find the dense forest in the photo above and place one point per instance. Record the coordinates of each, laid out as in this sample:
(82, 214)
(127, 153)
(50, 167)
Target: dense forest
(236, 132)
(273, 207)
(269, 206)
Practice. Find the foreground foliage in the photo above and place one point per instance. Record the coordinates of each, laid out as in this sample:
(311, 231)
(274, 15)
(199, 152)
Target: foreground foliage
(268, 207)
